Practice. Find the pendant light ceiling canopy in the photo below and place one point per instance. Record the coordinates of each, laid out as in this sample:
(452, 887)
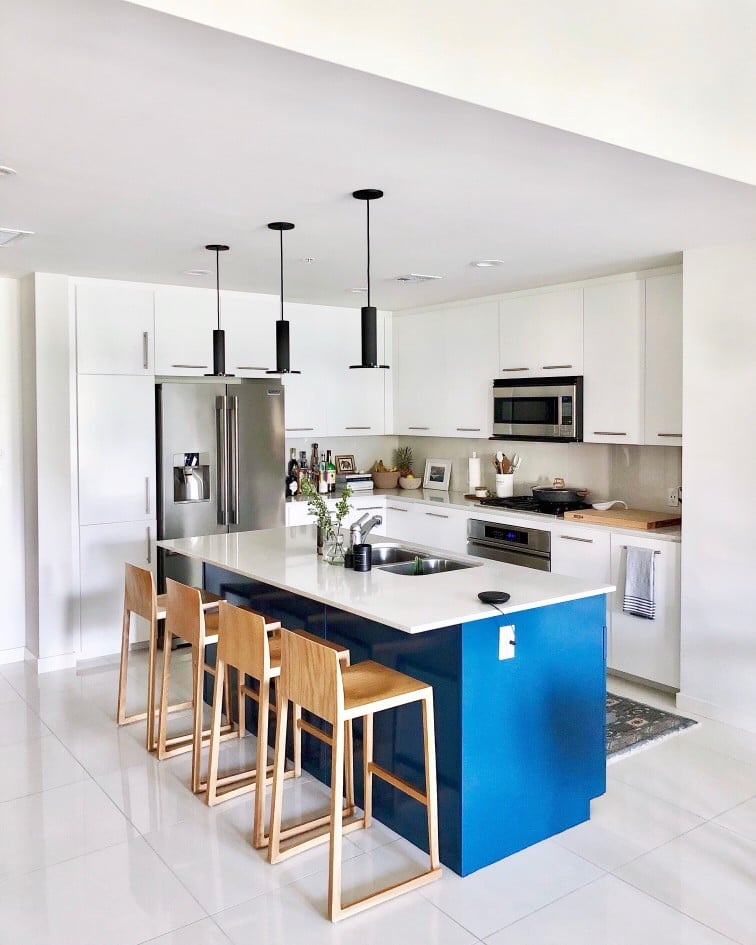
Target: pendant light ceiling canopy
(283, 353)
(219, 336)
(369, 313)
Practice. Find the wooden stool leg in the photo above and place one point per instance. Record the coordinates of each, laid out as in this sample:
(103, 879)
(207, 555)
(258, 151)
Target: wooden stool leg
(337, 787)
(431, 792)
(164, 687)
(241, 703)
(274, 844)
(151, 670)
(198, 667)
(367, 777)
(348, 768)
(122, 675)
(211, 794)
(296, 715)
(261, 763)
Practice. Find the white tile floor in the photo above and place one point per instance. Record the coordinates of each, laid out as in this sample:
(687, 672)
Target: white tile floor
(101, 844)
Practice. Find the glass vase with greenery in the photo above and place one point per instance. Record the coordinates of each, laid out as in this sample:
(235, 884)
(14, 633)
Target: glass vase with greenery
(329, 529)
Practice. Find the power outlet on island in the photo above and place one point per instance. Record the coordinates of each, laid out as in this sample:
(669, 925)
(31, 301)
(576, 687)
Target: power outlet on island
(673, 497)
(507, 642)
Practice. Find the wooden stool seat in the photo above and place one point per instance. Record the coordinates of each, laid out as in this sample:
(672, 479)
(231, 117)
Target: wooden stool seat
(140, 598)
(313, 678)
(253, 647)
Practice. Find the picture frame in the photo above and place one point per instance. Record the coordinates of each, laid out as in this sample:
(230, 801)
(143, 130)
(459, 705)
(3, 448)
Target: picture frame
(345, 464)
(437, 474)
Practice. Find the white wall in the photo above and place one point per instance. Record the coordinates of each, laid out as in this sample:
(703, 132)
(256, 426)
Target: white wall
(670, 78)
(718, 661)
(12, 564)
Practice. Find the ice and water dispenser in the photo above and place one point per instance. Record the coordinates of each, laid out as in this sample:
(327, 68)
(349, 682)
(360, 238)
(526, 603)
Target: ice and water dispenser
(191, 477)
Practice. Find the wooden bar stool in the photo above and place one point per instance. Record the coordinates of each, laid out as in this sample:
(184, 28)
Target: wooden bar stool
(139, 598)
(185, 619)
(245, 642)
(312, 677)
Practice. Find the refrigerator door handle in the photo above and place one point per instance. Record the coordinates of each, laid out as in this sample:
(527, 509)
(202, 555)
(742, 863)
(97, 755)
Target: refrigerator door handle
(233, 460)
(221, 433)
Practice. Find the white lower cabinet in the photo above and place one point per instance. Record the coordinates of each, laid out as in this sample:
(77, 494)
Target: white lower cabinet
(581, 552)
(440, 527)
(297, 513)
(103, 549)
(400, 519)
(649, 649)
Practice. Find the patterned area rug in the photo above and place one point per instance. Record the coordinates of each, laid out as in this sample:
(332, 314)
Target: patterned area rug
(631, 725)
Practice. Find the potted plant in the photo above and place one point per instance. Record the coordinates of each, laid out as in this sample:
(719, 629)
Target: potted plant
(329, 529)
(403, 460)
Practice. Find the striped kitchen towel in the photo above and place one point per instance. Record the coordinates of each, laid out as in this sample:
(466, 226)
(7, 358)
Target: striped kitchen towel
(639, 583)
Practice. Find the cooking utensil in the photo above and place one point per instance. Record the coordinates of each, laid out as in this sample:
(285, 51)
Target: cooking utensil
(603, 506)
(558, 494)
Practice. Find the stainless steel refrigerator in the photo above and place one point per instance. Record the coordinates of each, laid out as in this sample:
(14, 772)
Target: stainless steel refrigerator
(221, 462)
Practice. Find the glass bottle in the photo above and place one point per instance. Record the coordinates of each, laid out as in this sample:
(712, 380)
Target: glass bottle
(331, 472)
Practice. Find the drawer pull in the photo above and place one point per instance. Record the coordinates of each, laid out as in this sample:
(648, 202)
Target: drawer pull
(358, 428)
(298, 429)
(149, 546)
(418, 428)
(669, 434)
(588, 541)
(192, 366)
(250, 367)
(468, 429)
(436, 515)
(609, 433)
(624, 547)
(397, 508)
(505, 369)
(555, 367)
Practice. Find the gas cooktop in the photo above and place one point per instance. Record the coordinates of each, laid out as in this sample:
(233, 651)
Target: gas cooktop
(527, 503)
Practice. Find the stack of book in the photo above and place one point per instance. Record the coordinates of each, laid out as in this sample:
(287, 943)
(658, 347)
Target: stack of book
(357, 482)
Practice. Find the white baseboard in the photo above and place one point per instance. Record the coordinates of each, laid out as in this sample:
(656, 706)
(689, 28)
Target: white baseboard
(16, 655)
(49, 664)
(709, 710)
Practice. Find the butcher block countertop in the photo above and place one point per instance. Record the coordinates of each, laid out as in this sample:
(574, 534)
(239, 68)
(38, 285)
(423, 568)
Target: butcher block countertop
(625, 518)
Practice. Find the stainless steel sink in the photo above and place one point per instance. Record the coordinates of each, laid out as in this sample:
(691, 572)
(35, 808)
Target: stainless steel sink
(391, 554)
(423, 564)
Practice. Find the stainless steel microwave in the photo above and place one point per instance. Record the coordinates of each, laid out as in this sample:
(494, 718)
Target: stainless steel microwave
(538, 408)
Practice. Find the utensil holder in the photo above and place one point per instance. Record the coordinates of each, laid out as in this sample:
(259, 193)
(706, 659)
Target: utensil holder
(504, 485)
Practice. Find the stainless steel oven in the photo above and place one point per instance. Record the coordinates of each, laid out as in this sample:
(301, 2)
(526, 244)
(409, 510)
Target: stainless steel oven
(538, 408)
(513, 544)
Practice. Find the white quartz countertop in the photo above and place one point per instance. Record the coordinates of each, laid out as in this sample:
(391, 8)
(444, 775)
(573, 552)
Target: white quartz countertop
(286, 558)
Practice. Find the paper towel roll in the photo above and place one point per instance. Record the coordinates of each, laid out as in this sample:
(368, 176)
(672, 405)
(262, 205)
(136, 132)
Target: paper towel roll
(473, 472)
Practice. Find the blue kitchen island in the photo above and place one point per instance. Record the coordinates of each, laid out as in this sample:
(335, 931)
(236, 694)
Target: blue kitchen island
(520, 740)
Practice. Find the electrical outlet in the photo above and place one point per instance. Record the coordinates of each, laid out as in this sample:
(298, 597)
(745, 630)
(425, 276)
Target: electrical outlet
(673, 497)
(507, 642)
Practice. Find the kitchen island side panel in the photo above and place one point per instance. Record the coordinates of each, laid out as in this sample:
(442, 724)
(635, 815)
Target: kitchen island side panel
(533, 727)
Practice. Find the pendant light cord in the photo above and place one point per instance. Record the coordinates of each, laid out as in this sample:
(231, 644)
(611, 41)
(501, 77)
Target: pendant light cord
(217, 282)
(280, 234)
(367, 202)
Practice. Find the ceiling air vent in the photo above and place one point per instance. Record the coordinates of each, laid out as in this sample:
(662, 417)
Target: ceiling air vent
(7, 236)
(416, 277)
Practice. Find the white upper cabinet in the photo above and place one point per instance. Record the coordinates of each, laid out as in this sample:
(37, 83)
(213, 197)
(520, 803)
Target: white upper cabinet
(445, 363)
(184, 323)
(249, 322)
(614, 343)
(541, 334)
(356, 397)
(310, 328)
(663, 415)
(116, 425)
(114, 328)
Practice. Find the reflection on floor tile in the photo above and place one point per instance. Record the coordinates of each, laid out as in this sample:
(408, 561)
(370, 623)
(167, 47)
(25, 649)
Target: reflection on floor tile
(37, 765)
(204, 932)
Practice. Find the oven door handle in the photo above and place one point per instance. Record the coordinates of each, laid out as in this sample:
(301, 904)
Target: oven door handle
(501, 546)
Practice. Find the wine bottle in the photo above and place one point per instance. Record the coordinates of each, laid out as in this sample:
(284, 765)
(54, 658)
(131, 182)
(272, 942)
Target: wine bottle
(322, 476)
(331, 472)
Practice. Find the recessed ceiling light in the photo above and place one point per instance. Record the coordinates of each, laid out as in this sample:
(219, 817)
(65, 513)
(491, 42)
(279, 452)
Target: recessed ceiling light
(308, 259)
(417, 277)
(8, 236)
(196, 272)
(362, 291)
(6, 171)
(487, 263)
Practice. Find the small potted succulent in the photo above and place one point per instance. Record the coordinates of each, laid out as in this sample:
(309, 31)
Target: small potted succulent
(403, 461)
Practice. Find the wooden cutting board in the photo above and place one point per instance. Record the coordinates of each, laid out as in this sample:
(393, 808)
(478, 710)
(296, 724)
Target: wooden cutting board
(625, 518)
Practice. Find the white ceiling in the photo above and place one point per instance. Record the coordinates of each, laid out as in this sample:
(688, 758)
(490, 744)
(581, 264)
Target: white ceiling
(139, 137)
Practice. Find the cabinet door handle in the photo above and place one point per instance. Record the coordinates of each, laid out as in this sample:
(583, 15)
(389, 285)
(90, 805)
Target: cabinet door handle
(669, 434)
(146, 350)
(504, 370)
(468, 429)
(249, 367)
(358, 428)
(555, 367)
(588, 541)
(397, 508)
(192, 366)
(147, 494)
(149, 545)
(368, 508)
(608, 433)
(418, 428)
(624, 548)
(436, 515)
(298, 429)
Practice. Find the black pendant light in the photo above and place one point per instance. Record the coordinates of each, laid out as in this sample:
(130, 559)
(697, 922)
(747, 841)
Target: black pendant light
(369, 313)
(283, 360)
(219, 336)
